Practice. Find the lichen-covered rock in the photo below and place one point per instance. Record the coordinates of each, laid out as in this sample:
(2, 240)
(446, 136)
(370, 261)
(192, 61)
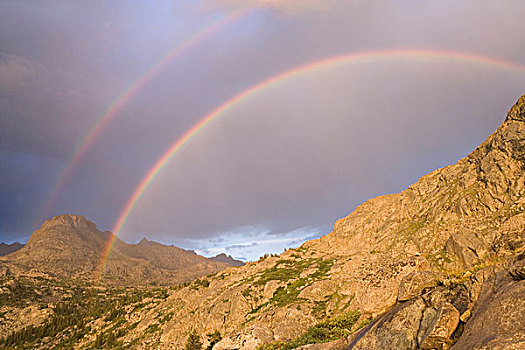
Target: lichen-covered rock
(396, 330)
(467, 246)
(441, 327)
(318, 291)
(413, 283)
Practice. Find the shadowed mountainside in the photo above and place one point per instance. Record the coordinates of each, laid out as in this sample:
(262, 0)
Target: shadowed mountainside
(9, 248)
(227, 259)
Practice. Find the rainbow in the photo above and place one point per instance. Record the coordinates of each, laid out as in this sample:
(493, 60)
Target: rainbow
(125, 97)
(328, 63)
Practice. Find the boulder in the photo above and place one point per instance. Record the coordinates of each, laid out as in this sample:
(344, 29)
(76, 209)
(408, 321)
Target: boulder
(496, 321)
(413, 283)
(443, 323)
(396, 330)
(466, 246)
(318, 291)
(4, 271)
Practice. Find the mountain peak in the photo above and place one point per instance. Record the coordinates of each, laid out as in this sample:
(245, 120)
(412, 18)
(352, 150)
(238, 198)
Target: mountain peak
(72, 246)
(517, 112)
(144, 241)
(77, 222)
(227, 259)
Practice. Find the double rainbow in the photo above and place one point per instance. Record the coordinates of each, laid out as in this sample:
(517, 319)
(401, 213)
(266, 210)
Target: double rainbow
(125, 97)
(328, 63)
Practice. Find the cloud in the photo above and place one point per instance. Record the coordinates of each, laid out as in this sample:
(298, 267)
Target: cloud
(16, 73)
(241, 246)
(299, 154)
(265, 242)
(288, 7)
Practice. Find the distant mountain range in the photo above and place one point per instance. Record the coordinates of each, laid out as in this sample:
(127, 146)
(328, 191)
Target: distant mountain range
(71, 246)
(227, 259)
(9, 248)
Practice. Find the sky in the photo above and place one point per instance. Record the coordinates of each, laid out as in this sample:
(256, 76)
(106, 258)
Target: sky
(275, 169)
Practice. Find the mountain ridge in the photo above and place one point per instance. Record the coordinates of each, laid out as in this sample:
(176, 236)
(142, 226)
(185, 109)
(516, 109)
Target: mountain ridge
(6, 248)
(227, 259)
(71, 246)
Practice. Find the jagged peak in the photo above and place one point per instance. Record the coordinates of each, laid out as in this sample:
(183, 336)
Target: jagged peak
(508, 138)
(222, 257)
(517, 112)
(144, 240)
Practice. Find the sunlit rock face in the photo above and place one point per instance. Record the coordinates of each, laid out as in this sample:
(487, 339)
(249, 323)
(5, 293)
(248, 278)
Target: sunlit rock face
(413, 249)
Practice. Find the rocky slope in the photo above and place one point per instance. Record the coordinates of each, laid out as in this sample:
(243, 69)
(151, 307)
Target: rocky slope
(439, 265)
(436, 235)
(71, 246)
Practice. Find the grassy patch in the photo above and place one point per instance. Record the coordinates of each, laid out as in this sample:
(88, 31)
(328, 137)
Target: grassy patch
(200, 283)
(327, 331)
(291, 271)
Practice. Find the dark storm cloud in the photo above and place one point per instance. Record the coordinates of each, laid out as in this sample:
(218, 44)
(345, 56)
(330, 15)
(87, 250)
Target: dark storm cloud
(284, 164)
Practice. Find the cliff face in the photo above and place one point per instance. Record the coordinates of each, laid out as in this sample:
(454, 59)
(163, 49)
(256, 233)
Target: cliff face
(71, 246)
(454, 221)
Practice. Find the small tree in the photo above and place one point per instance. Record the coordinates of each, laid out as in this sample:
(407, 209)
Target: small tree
(194, 341)
(213, 338)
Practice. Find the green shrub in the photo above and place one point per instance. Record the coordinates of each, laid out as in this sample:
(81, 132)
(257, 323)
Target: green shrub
(213, 338)
(201, 283)
(194, 341)
(326, 331)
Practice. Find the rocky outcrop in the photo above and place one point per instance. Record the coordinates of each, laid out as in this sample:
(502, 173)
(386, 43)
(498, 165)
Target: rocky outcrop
(424, 322)
(413, 284)
(71, 246)
(398, 329)
(496, 321)
(517, 271)
(437, 326)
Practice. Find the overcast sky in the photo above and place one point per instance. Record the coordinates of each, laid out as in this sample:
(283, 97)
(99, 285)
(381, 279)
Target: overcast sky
(277, 169)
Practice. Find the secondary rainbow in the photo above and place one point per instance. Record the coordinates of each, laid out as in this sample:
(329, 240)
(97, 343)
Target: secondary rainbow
(125, 97)
(354, 58)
